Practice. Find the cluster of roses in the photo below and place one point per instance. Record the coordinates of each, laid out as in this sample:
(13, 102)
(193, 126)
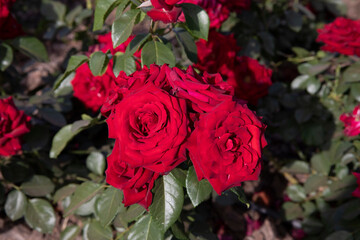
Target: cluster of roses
(156, 113)
(169, 11)
(9, 27)
(343, 36)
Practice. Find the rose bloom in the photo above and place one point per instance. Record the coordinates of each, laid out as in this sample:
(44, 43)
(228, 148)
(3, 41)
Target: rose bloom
(351, 122)
(9, 27)
(342, 36)
(151, 127)
(165, 11)
(92, 90)
(136, 183)
(250, 80)
(217, 55)
(226, 145)
(13, 125)
(356, 193)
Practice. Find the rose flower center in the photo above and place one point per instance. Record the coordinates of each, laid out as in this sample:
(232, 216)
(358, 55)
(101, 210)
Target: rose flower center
(147, 122)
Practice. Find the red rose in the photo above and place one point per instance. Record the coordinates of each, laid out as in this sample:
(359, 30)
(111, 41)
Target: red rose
(165, 11)
(217, 55)
(226, 145)
(250, 80)
(351, 122)
(136, 183)
(342, 36)
(91, 90)
(13, 124)
(356, 193)
(9, 27)
(151, 127)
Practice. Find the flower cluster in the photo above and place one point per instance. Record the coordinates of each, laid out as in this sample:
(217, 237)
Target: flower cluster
(351, 122)
(93, 90)
(9, 27)
(342, 36)
(249, 79)
(156, 113)
(13, 124)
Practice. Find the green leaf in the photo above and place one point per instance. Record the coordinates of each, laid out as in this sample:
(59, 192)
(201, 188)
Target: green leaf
(85, 192)
(95, 162)
(124, 63)
(300, 82)
(188, 43)
(167, 202)
(197, 191)
(6, 56)
(97, 232)
(98, 63)
(296, 193)
(133, 212)
(197, 20)
(108, 205)
(135, 44)
(301, 52)
(32, 47)
(15, 205)
(145, 228)
(72, 14)
(53, 10)
(178, 230)
(180, 175)
(38, 186)
(241, 195)
(313, 86)
(87, 208)
(73, 64)
(292, 211)
(314, 182)
(296, 167)
(40, 215)
(61, 139)
(70, 233)
(65, 87)
(158, 53)
(321, 163)
(352, 73)
(122, 27)
(64, 192)
(102, 10)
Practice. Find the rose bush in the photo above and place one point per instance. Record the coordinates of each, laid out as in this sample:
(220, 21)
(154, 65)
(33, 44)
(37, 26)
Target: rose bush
(13, 125)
